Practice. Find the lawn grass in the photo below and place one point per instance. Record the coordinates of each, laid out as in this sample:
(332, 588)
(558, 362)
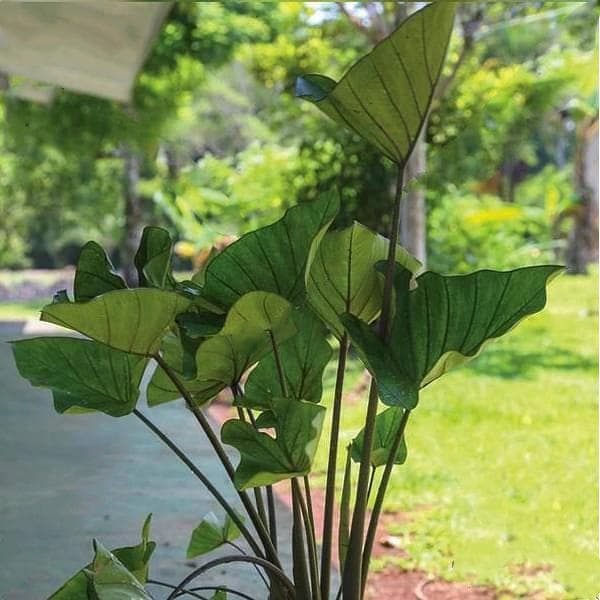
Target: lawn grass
(20, 311)
(501, 481)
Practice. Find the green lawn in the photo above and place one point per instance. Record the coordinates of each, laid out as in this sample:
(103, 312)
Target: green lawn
(501, 478)
(20, 311)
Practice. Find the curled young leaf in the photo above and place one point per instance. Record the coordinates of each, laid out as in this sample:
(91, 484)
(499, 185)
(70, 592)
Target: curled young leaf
(95, 274)
(211, 534)
(153, 259)
(386, 95)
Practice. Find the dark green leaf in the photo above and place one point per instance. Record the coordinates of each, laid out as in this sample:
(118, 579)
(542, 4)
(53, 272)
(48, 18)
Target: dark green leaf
(387, 424)
(130, 320)
(386, 95)
(343, 279)
(81, 373)
(211, 534)
(95, 274)
(305, 356)
(444, 322)
(153, 259)
(266, 460)
(272, 259)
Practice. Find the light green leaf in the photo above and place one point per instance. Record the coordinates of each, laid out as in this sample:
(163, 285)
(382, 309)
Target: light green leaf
(385, 96)
(265, 460)
(75, 588)
(210, 534)
(342, 278)
(219, 595)
(271, 259)
(444, 322)
(153, 259)
(81, 373)
(387, 424)
(130, 320)
(137, 558)
(95, 274)
(222, 359)
(305, 356)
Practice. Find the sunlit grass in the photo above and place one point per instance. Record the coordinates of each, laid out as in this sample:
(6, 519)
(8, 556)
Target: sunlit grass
(502, 466)
(20, 311)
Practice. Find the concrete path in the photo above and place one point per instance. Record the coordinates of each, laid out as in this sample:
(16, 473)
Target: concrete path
(67, 479)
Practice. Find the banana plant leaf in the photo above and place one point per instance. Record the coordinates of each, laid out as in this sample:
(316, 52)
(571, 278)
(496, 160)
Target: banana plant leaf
(264, 459)
(386, 95)
(153, 259)
(211, 534)
(94, 274)
(271, 259)
(133, 321)
(81, 373)
(343, 279)
(443, 323)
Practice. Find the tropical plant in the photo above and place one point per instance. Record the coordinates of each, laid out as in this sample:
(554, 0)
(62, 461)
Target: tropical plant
(273, 300)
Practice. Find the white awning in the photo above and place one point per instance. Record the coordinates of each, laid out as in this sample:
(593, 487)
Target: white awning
(91, 47)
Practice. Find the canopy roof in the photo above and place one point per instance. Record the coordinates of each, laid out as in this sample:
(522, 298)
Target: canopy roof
(91, 47)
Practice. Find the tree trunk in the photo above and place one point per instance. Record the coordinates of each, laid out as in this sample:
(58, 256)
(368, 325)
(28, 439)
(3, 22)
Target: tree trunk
(133, 216)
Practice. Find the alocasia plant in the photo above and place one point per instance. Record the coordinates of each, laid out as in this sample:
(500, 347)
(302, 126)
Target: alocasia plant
(259, 321)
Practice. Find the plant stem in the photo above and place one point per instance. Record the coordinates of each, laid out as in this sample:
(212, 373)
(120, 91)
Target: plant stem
(241, 551)
(209, 486)
(301, 578)
(272, 515)
(309, 525)
(352, 579)
(270, 551)
(378, 505)
(327, 541)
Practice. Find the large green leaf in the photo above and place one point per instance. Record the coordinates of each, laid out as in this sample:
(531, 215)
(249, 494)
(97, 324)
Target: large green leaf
(387, 424)
(222, 359)
(211, 534)
(386, 95)
(342, 278)
(265, 460)
(272, 259)
(81, 373)
(304, 356)
(130, 320)
(95, 274)
(134, 559)
(444, 322)
(153, 258)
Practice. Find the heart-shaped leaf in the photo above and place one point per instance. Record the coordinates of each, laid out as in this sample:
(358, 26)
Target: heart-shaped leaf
(444, 322)
(342, 278)
(211, 534)
(385, 96)
(222, 359)
(81, 373)
(265, 460)
(134, 321)
(305, 356)
(95, 274)
(153, 259)
(271, 259)
(387, 424)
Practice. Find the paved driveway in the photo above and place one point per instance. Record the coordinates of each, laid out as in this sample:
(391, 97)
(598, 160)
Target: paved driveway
(67, 479)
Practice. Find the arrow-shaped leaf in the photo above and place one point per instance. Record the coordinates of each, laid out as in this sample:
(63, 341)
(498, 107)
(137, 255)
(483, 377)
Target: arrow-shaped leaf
(386, 95)
(82, 373)
(95, 274)
(444, 322)
(134, 321)
(265, 460)
(342, 278)
(153, 259)
(211, 534)
(271, 259)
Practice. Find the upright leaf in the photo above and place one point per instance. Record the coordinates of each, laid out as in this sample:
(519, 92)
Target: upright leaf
(305, 356)
(153, 258)
(272, 259)
(81, 373)
(137, 558)
(130, 320)
(386, 95)
(211, 534)
(387, 424)
(444, 322)
(265, 460)
(342, 278)
(95, 274)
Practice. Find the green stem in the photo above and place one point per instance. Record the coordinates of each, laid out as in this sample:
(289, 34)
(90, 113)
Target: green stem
(241, 551)
(301, 577)
(272, 515)
(309, 524)
(209, 486)
(270, 551)
(352, 579)
(378, 505)
(327, 542)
